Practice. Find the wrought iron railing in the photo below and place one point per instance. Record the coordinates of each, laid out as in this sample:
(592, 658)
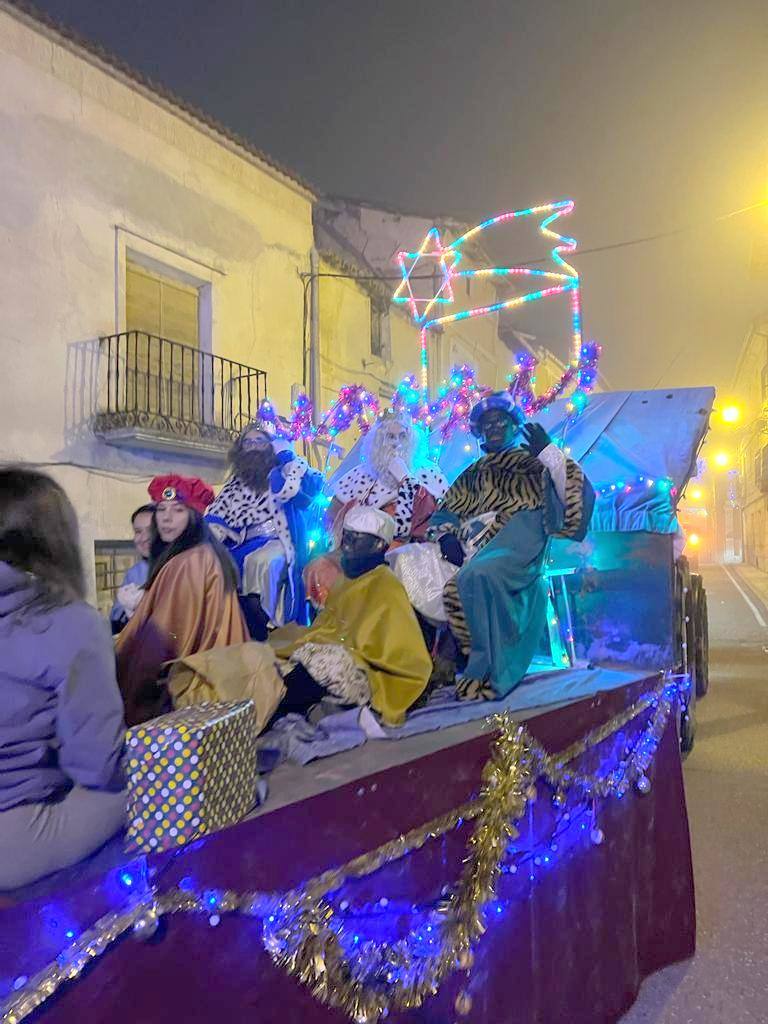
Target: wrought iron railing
(158, 385)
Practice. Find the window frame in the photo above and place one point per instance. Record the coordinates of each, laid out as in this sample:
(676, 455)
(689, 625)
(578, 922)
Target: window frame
(120, 556)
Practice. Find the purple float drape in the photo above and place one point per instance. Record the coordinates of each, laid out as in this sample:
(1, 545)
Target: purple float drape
(573, 945)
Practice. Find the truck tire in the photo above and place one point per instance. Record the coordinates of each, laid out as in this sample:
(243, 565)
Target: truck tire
(685, 631)
(690, 617)
(701, 637)
(687, 727)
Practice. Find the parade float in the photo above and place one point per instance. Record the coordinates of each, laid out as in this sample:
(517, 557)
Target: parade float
(532, 867)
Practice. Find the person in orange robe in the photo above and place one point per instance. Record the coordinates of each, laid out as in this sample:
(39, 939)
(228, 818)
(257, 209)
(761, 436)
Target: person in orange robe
(191, 601)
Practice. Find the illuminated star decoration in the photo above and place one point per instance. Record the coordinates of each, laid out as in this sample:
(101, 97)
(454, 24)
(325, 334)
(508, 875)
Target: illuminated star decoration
(564, 279)
(443, 262)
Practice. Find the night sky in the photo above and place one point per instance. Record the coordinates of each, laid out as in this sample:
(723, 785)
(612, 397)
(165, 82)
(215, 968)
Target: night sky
(651, 114)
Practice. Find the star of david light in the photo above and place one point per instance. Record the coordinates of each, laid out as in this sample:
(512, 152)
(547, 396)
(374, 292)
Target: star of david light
(432, 254)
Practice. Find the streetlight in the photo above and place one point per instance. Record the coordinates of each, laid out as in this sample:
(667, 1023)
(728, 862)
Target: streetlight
(696, 494)
(722, 459)
(731, 414)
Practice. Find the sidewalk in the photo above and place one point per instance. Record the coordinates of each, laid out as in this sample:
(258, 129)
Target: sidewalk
(755, 580)
(726, 783)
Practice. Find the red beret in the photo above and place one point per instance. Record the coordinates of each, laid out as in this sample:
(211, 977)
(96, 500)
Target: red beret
(190, 490)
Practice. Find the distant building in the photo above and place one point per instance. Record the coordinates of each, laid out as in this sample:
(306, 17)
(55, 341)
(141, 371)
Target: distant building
(750, 492)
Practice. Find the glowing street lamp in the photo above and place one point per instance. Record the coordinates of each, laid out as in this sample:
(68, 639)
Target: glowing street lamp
(731, 414)
(694, 540)
(696, 494)
(722, 459)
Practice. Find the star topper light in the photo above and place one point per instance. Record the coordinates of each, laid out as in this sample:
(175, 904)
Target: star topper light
(447, 257)
(444, 260)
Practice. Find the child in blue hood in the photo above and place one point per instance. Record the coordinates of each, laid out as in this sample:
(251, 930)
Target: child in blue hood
(61, 716)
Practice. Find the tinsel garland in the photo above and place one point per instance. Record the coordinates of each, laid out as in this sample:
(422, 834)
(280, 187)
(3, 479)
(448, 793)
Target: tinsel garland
(454, 401)
(306, 936)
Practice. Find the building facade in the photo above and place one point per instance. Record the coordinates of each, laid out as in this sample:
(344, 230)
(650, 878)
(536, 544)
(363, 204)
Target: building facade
(161, 277)
(151, 288)
(750, 491)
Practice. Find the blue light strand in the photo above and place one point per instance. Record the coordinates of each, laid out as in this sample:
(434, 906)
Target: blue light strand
(663, 485)
(618, 778)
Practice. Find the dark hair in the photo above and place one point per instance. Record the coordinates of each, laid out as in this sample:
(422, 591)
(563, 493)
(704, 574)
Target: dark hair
(196, 532)
(140, 511)
(237, 445)
(39, 535)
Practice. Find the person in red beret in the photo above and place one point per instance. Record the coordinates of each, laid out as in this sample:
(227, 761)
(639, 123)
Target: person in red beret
(191, 601)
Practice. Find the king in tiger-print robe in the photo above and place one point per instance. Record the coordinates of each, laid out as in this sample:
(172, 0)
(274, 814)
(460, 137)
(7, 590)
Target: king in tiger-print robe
(496, 604)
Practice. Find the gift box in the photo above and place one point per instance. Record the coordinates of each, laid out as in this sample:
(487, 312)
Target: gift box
(190, 772)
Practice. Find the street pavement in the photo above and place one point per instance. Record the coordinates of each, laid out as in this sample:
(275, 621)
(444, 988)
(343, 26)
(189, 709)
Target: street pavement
(726, 781)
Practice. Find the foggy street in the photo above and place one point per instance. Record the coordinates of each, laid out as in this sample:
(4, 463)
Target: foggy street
(383, 483)
(726, 779)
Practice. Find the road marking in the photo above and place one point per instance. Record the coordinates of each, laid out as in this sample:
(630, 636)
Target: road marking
(750, 603)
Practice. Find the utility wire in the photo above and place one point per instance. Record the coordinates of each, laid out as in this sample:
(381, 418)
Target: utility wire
(611, 246)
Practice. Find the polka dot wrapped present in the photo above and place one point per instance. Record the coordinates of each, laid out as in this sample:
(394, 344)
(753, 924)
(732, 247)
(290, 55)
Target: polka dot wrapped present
(189, 773)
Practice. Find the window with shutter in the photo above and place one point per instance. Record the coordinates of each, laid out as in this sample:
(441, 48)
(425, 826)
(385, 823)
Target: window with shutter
(165, 378)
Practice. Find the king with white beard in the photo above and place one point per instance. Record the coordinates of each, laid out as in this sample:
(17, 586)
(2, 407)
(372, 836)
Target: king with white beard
(385, 478)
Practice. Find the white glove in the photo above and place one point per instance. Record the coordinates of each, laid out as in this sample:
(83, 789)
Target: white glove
(129, 596)
(399, 469)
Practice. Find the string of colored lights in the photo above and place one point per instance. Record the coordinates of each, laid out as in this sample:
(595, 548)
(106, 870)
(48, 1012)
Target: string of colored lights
(455, 399)
(355, 405)
(643, 483)
(458, 395)
(440, 255)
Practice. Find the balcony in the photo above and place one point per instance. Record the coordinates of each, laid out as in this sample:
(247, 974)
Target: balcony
(154, 393)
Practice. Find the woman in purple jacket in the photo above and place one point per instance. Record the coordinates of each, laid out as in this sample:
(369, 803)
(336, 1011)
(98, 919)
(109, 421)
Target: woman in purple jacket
(61, 716)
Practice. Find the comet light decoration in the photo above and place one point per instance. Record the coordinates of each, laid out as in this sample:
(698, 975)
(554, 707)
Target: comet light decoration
(444, 261)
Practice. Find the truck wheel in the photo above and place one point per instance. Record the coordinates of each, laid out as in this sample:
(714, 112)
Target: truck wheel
(688, 726)
(690, 606)
(685, 633)
(701, 657)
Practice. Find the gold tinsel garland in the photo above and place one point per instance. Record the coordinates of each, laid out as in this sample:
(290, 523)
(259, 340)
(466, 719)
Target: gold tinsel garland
(310, 949)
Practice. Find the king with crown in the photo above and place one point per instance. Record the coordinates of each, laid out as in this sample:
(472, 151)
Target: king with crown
(494, 523)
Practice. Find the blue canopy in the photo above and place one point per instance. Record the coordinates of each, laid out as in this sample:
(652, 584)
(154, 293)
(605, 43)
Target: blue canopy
(637, 447)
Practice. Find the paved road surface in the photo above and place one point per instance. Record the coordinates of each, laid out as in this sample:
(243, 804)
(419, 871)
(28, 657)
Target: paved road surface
(726, 779)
